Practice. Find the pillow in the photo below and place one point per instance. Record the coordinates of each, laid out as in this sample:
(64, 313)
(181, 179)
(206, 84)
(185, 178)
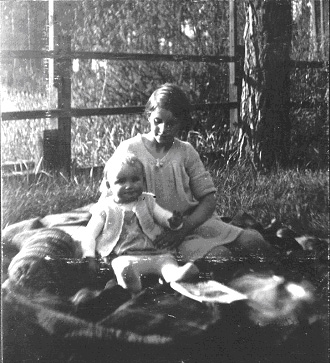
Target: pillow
(31, 267)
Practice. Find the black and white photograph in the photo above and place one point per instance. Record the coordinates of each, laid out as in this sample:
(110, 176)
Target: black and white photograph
(164, 181)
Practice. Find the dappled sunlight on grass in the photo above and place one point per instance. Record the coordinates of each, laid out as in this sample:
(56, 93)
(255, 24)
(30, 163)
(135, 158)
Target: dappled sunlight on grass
(22, 200)
(297, 198)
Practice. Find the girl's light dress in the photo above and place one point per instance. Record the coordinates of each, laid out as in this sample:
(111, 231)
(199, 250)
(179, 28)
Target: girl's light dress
(178, 180)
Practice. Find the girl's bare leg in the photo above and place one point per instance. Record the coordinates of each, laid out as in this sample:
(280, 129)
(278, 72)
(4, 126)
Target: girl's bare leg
(219, 253)
(250, 242)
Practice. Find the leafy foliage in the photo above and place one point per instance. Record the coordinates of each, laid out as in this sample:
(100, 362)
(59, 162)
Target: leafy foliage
(310, 127)
(162, 27)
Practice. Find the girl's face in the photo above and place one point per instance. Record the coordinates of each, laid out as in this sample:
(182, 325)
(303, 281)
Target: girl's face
(164, 126)
(126, 184)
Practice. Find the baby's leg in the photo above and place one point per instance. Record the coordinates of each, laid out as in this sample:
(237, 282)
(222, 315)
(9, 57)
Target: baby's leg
(129, 269)
(127, 274)
(171, 271)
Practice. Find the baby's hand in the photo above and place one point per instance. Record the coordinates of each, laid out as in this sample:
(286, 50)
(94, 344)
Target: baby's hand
(176, 220)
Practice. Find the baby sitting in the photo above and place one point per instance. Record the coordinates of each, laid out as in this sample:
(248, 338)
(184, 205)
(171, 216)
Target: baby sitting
(124, 224)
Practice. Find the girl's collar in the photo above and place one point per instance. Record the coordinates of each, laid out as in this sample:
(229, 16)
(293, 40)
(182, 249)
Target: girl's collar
(150, 144)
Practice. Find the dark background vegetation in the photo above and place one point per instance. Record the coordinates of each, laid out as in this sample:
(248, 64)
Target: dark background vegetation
(297, 196)
(162, 27)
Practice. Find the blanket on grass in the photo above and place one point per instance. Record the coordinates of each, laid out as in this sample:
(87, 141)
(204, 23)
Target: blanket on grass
(54, 311)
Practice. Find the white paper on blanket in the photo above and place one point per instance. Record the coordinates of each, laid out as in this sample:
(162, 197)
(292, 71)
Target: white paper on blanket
(208, 291)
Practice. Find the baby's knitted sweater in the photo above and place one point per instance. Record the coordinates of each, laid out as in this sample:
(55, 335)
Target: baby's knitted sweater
(149, 214)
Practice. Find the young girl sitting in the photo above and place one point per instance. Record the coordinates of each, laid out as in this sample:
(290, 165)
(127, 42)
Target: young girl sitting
(176, 175)
(125, 223)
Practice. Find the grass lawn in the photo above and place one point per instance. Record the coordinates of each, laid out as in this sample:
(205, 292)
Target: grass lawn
(294, 197)
(297, 198)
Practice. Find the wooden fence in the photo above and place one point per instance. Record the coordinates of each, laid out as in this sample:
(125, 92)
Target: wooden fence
(61, 139)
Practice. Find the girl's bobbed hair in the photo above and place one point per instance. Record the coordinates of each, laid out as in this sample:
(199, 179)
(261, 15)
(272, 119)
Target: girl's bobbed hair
(170, 97)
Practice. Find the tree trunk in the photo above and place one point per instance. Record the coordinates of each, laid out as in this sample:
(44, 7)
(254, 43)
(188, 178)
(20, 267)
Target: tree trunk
(265, 123)
(313, 31)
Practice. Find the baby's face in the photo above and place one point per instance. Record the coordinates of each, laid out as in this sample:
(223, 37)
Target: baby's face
(126, 184)
(164, 126)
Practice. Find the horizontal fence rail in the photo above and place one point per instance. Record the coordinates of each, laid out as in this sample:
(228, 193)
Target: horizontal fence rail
(35, 54)
(111, 111)
(81, 112)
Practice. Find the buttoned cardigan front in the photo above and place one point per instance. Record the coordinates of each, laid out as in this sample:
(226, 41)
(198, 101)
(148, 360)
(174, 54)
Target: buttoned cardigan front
(147, 213)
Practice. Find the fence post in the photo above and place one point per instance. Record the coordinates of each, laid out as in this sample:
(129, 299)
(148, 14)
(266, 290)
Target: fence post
(234, 112)
(63, 83)
(50, 149)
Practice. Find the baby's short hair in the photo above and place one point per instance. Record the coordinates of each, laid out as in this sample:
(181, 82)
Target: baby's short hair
(116, 162)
